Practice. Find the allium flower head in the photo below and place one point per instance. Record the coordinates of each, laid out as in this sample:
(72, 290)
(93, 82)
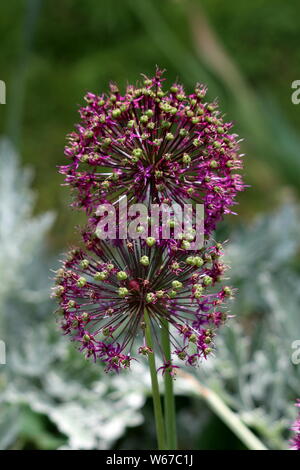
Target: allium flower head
(296, 428)
(151, 143)
(103, 292)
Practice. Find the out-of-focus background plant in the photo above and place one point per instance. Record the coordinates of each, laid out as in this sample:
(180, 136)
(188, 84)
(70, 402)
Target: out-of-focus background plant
(50, 55)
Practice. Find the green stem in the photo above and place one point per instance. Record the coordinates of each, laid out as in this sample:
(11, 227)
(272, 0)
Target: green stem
(159, 422)
(231, 419)
(170, 415)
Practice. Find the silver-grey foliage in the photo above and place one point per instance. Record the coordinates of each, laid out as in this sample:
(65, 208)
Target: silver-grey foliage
(253, 368)
(44, 375)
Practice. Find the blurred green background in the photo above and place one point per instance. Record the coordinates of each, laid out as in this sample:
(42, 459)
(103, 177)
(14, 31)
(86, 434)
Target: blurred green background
(51, 53)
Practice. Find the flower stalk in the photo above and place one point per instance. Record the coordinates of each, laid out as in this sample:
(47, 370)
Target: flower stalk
(169, 401)
(228, 417)
(159, 421)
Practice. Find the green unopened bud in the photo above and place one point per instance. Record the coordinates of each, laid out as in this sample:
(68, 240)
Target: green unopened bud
(217, 144)
(144, 118)
(86, 338)
(207, 280)
(137, 152)
(183, 132)
(88, 134)
(84, 158)
(116, 113)
(81, 282)
(144, 260)
(207, 350)
(150, 241)
(189, 236)
(150, 297)
(217, 189)
(182, 355)
(107, 141)
(198, 294)
(198, 287)
(198, 261)
(126, 362)
(227, 291)
(175, 265)
(58, 291)
(193, 338)
(71, 304)
(130, 123)
(186, 159)
(84, 263)
(145, 350)
(214, 164)
(190, 260)
(177, 285)
(185, 245)
(122, 291)
(121, 275)
(160, 294)
(85, 316)
(172, 294)
(106, 332)
(169, 136)
(100, 276)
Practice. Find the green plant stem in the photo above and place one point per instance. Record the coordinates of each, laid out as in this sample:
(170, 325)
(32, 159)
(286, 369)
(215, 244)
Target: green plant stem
(169, 401)
(159, 421)
(231, 419)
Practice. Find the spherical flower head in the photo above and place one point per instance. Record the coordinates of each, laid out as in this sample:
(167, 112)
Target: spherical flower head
(167, 143)
(295, 442)
(104, 291)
